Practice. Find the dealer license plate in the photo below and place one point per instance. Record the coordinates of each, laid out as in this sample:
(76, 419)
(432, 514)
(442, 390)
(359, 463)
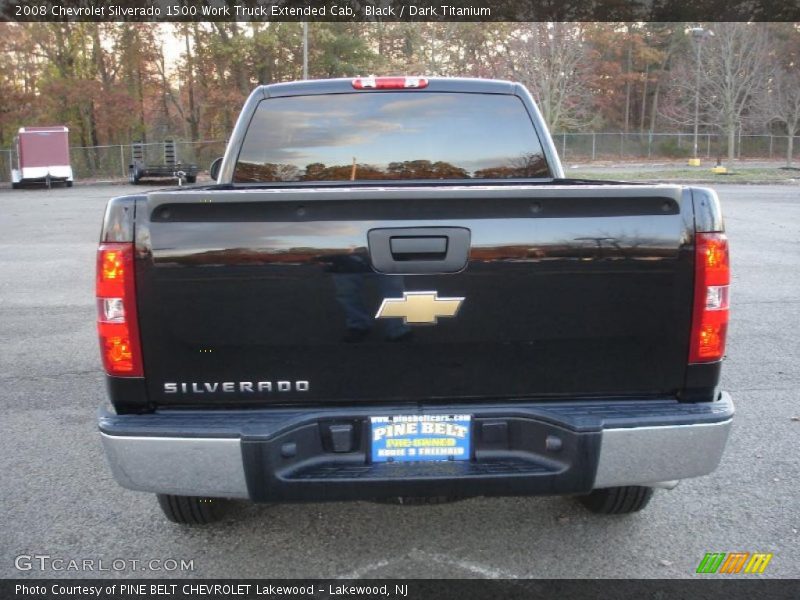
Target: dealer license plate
(411, 438)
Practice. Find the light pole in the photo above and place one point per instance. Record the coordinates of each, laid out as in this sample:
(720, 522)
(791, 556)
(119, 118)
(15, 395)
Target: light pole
(699, 34)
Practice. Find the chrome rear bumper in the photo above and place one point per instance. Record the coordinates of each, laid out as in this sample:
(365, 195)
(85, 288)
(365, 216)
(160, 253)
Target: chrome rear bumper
(620, 451)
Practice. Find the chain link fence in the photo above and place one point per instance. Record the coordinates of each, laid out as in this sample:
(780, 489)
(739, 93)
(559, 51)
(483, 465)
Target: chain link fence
(102, 163)
(5, 165)
(111, 162)
(655, 146)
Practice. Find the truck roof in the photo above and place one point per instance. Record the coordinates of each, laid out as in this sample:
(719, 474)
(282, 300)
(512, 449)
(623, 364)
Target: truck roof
(345, 86)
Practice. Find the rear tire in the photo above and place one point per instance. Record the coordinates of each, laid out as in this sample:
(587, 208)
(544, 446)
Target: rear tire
(15, 185)
(69, 184)
(191, 179)
(191, 510)
(617, 500)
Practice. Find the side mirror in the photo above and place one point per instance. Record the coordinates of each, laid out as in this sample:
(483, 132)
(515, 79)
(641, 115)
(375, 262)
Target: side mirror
(213, 171)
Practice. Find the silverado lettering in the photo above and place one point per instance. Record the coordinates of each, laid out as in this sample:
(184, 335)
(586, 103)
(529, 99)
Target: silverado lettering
(235, 386)
(412, 246)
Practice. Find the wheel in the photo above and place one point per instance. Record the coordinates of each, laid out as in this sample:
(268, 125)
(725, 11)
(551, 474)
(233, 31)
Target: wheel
(69, 183)
(15, 185)
(617, 500)
(191, 510)
(191, 179)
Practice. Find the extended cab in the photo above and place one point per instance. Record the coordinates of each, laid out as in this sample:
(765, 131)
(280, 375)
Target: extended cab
(393, 291)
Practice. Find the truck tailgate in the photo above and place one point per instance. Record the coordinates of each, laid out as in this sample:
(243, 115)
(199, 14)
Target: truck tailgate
(259, 296)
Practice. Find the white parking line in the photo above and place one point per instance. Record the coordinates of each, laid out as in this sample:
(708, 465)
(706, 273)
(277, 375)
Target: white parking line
(359, 573)
(477, 569)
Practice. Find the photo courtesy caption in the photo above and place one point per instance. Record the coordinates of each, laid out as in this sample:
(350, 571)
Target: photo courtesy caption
(169, 589)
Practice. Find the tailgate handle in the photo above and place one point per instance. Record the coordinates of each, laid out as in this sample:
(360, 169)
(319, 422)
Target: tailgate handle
(419, 250)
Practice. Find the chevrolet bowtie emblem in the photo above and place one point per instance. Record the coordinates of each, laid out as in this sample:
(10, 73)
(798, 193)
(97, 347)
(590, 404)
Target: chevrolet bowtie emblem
(419, 307)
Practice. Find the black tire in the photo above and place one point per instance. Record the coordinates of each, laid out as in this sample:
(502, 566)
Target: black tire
(69, 183)
(15, 185)
(191, 510)
(191, 179)
(618, 500)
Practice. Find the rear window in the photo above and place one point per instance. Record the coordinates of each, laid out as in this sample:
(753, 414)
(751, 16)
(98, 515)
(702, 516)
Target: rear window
(390, 136)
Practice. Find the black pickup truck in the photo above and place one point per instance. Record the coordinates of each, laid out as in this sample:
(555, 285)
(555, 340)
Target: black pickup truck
(392, 291)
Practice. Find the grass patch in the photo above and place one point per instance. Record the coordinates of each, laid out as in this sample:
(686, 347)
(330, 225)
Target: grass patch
(689, 175)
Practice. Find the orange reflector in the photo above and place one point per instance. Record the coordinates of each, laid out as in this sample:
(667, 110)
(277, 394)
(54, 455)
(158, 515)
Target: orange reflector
(711, 341)
(118, 353)
(111, 268)
(714, 249)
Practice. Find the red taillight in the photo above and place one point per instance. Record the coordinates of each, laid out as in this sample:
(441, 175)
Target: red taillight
(389, 83)
(711, 298)
(116, 311)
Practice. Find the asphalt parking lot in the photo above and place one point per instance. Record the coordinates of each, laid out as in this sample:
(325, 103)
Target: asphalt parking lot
(59, 499)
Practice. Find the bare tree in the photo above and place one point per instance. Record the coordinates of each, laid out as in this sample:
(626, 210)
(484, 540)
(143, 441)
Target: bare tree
(552, 60)
(736, 63)
(736, 67)
(782, 104)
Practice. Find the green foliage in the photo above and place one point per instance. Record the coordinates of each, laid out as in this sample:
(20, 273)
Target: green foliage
(335, 51)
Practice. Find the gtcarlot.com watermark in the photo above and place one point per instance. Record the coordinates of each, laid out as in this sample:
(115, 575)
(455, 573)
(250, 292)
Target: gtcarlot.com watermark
(46, 562)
